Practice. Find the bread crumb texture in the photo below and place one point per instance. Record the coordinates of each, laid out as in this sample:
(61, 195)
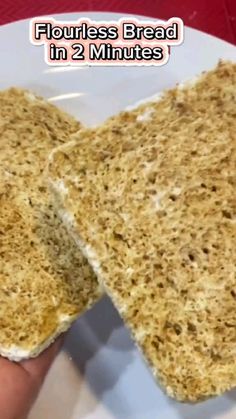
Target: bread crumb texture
(45, 282)
(154, 206)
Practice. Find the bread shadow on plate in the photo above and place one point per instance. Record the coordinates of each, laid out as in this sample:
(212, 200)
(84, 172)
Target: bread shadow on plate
(214, 408)
(101, 350)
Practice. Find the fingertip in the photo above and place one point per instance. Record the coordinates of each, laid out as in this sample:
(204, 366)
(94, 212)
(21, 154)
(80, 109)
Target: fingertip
(38, 367)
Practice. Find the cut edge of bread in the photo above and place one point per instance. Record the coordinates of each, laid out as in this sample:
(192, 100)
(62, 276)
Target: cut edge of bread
(17, 354)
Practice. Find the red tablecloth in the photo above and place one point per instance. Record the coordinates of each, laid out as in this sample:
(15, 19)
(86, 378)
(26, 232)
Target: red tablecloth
(217, 17)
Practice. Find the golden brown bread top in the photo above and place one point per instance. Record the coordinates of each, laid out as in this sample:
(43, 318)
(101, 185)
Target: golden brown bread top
(151, 199)
(45, 282)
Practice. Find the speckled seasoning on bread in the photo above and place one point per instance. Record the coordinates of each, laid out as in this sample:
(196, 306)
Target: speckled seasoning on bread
(150, 198)
(45, 282)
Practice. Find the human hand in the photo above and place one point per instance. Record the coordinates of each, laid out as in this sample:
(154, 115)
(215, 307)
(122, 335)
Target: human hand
(21, 382)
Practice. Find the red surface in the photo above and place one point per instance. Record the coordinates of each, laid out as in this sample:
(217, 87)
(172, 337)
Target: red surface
(217, 17)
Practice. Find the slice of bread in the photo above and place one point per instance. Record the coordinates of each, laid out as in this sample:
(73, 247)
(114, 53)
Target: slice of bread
(45, 282)
(149, 198)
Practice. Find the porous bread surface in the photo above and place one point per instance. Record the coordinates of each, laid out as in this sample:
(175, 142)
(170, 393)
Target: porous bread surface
(45, 282)
(151, 202)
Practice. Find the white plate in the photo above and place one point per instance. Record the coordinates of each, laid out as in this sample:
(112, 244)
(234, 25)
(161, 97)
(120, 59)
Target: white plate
(99, 374)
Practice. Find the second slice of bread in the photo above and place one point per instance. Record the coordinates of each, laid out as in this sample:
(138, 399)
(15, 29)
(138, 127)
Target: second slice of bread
(150, 199)
(45, 282)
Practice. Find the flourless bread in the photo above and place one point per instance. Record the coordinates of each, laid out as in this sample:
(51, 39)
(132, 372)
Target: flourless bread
(150, 199)
(45, 282)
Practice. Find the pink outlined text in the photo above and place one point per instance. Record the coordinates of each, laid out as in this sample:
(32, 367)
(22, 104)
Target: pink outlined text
(128, 41)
